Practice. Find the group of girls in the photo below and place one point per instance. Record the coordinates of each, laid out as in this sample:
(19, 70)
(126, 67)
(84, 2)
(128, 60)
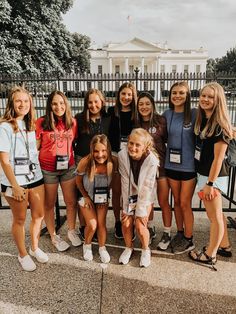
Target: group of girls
(156, 153)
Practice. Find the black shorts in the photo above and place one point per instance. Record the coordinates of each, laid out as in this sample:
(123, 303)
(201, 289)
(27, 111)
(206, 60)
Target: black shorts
(27, 186)
(180, 175)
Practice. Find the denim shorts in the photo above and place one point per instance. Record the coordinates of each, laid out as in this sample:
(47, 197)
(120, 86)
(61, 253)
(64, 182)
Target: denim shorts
(221, 183)
(52, 177)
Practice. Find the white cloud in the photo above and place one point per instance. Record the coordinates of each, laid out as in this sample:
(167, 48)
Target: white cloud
(183, 24)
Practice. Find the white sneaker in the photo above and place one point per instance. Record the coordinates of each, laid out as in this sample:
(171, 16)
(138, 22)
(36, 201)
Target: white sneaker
(39, 255)
(74, 238)
(27, 263)
(60, 244)
(145, 259)
(125, 256)
(87, 252)
(104, 255)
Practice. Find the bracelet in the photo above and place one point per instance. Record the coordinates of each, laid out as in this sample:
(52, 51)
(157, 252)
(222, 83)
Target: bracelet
(209, 183)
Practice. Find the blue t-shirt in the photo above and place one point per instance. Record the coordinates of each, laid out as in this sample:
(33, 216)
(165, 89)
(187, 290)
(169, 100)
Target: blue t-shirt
(180, 138)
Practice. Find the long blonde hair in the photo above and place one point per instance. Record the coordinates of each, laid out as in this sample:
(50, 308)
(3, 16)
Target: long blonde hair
(91, 165)
(219, 117)
(146, 138)
(10, 114)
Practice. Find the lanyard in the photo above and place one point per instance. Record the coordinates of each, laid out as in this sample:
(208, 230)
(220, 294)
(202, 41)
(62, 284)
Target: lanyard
(26, 142)
(93, 125)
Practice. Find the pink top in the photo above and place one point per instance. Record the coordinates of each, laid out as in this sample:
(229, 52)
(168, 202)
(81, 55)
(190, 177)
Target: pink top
(58, 142)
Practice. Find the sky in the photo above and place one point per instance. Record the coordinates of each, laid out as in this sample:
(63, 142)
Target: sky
(183, 24)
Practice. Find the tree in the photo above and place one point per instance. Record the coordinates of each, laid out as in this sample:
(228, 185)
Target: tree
(34, 40)
(228, 62)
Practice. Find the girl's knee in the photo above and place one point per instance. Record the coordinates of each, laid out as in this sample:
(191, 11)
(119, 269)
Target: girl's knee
(92, 225)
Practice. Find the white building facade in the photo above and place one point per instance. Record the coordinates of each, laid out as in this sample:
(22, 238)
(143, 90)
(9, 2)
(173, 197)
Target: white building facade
(147, 57)
(151, 60)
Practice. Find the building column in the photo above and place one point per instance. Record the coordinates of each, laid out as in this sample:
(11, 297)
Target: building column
(110, 65)
(158, 87)
(142, 65)
(127, 65)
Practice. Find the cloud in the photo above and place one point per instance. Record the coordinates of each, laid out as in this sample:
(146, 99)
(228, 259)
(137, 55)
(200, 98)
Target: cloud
(183, 24)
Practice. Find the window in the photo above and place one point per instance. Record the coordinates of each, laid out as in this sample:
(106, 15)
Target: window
(131, 69)
(198, 68)
(186, 68)
(117, 69)
(76, 86)
(99, 69)
(174, 68)
(162, 68)
(64, 84)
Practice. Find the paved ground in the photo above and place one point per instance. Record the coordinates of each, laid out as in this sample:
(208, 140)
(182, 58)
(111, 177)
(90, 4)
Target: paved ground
(67, 284)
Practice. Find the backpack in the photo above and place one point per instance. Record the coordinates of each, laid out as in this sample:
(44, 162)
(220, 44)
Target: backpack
(231, 153)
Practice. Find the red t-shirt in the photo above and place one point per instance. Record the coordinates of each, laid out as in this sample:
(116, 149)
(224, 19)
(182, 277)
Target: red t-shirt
(58, 142)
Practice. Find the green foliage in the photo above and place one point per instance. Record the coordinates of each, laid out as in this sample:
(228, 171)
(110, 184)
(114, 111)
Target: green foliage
(228, 62)
(34, 40)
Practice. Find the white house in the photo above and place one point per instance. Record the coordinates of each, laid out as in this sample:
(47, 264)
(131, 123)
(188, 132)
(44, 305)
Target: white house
(147, 57)
(152, 60)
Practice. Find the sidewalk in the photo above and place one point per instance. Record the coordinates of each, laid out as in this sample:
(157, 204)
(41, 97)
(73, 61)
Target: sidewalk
(67, 284)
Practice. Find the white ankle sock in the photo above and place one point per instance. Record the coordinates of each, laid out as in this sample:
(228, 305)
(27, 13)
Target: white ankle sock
(167, 230)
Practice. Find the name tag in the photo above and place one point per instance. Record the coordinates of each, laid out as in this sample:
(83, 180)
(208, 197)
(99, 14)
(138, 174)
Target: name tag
(62, 162)
(175, 156)
(100, 195)
(132, 203)
(21, 166)
(197, 154)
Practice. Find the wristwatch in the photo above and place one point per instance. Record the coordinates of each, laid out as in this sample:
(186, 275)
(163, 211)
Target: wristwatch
(210, 183)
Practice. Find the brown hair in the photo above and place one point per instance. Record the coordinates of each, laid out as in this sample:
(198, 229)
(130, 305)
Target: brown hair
(118, 105)
(187, 105)
(86, 112)
(50, 119)
(91, 166)
(10, 114)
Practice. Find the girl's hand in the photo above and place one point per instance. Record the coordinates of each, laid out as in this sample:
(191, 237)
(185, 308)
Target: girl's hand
(209, 192)
(88, 203)
(18, 193)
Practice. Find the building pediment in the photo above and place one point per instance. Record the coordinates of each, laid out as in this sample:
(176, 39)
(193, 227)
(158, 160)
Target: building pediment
(135, 44)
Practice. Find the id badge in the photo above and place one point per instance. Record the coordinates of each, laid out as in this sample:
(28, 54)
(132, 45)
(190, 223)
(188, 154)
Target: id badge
(123, 142)
(22, 166)
(197, 154)
(132, 203)
(62, 162)
(175, 156)
(100, 195)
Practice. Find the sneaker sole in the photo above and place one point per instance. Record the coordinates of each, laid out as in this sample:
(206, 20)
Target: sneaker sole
(187, 250)
(118, 237)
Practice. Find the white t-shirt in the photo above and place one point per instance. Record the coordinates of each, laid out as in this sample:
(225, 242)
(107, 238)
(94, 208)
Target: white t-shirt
(7, 144)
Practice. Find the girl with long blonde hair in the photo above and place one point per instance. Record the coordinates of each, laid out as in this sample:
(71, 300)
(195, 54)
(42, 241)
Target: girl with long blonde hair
(214, 131)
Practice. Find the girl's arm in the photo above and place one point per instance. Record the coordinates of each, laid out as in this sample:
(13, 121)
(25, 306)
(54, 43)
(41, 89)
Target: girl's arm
(17, 191)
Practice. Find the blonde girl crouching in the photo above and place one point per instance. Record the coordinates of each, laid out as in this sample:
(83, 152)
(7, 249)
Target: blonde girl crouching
(138, 167)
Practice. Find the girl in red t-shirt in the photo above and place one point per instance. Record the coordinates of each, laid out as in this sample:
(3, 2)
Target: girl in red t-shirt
(55, 133)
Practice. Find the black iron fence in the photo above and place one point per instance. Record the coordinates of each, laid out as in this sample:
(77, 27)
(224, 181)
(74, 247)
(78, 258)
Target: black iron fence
(76, 85)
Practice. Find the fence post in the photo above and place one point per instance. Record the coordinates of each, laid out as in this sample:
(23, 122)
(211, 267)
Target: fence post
(136, 77)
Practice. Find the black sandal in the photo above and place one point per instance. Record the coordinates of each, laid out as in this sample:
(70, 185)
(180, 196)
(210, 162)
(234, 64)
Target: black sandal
(202, 257)
(222, 251)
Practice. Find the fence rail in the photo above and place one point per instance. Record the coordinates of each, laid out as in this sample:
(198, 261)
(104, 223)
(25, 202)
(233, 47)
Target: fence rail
(76, 85)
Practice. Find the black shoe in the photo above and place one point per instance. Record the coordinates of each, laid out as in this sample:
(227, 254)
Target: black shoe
(176, 240)
(183, 246)
(95, 237)
(81, 232)
(225, 251)
(152, 234)
(118, 230)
